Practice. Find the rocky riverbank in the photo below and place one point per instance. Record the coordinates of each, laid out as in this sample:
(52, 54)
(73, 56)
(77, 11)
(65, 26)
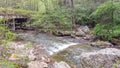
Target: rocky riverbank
(28, 55)
(62, 49)
(105, 58)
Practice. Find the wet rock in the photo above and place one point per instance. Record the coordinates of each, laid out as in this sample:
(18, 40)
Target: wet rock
(104, 58)
(37, 64)
(101, 44)
(31, 56)
(37, 52)
(61, 65)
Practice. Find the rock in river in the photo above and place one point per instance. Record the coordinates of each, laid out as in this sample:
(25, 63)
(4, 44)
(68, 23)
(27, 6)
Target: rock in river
(105, 58)
(61, 65)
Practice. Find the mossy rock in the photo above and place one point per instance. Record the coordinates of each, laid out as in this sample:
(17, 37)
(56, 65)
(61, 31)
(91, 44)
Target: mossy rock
(63, 33)
(115, 41)
(61, 57)
(101, 44)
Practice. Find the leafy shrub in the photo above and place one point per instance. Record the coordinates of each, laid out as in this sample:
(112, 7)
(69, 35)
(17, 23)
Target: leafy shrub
(83, 9)
(6, 34)
(82, 16)
(102, 32)
(108, 16)
(58, 18)
(116, 15)
(107, 12)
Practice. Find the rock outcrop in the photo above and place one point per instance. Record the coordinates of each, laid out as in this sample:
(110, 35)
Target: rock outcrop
(105, 58)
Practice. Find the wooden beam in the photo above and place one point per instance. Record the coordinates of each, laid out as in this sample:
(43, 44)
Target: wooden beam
(13, 28)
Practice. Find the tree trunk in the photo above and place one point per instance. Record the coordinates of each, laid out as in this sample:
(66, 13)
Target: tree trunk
(73, 13)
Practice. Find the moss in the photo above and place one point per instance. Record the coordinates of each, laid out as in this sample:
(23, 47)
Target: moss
(15, 11)
(7, 64)
(61, 57)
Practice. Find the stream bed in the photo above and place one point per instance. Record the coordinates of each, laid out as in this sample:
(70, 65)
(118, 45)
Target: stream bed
(60, 48)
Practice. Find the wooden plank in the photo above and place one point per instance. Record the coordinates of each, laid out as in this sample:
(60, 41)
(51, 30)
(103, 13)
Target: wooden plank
(13, 24)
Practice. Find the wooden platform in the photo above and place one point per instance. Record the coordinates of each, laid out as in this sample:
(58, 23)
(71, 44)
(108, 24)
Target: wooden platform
(14, 21)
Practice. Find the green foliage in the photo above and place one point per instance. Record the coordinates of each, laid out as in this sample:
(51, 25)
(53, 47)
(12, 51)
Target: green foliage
(116, 15)
(108, 16)
(16, 11)
(58, 18)
(83, 9)
(107, 12)
(102, 32)
(7, 64)
(5, 34)
(82, 16)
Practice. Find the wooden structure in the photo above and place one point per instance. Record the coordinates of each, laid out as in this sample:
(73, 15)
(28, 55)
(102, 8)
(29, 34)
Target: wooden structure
(14, 21)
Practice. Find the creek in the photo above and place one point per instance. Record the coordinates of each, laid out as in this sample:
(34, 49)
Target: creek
(60, 48)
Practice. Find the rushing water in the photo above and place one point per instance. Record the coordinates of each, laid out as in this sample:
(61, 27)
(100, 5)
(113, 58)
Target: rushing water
(51, 43)
(72, 47)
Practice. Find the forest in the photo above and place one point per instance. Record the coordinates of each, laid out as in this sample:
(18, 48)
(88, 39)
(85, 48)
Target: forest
(59, 33)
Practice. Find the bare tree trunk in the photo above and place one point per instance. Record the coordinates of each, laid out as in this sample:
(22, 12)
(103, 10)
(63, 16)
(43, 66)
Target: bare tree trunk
(73, 13)
(65, 2)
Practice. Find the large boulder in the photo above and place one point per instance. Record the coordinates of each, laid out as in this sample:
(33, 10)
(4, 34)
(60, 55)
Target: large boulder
(37, 64)
(105, 58)
(84, 29)
(80, 33)
(61, 65)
